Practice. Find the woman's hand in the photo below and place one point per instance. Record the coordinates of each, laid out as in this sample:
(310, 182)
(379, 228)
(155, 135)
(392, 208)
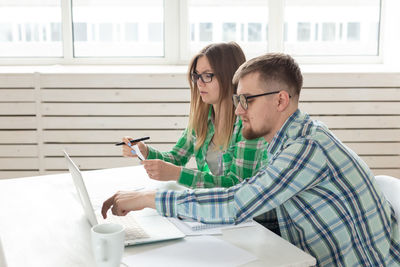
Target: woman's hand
(161, 170)
(128, 151)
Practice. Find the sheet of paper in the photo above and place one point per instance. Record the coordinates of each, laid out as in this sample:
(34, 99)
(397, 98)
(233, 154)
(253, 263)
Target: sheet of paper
(137, 150)
(194, 251)
(196, 228)
(190, 232)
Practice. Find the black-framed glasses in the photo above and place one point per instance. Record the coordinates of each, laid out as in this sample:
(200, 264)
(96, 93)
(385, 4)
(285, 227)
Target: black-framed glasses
(204, 77)
(243, 99)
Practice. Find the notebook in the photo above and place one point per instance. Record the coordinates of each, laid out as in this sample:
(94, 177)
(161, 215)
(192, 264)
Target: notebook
(192, 228)
(139, 227)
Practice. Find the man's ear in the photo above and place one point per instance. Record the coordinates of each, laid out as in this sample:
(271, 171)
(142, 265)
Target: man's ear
(283, 100)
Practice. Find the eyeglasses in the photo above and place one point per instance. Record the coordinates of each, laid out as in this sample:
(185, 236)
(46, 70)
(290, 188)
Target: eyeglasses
(204, 77)
(243, 99)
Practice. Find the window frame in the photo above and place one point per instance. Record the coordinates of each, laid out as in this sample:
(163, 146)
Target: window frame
(177, 37)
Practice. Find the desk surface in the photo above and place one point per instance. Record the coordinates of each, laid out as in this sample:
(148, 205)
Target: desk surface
(42, 222)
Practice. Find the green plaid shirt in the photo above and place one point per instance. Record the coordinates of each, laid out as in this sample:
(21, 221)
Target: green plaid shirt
(241, 160)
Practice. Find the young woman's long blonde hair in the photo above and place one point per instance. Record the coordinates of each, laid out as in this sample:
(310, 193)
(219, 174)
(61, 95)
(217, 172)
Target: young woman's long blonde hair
(224, 58)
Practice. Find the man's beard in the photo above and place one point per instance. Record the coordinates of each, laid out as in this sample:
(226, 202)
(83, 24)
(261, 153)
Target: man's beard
(250, 134)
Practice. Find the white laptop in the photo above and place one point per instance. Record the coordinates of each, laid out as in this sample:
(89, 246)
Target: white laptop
(139, 227)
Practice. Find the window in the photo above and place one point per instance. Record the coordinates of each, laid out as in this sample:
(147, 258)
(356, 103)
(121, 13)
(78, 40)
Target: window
(242, 21)
(171, 31)
(123, 28)
(25, 27)
(338, 27)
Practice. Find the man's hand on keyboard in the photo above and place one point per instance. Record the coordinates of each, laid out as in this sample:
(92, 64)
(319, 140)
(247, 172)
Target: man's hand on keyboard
(123, 202)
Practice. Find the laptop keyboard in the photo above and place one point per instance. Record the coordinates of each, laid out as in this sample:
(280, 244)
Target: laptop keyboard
(132, 228)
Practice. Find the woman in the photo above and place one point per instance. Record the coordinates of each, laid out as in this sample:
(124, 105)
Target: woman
(224, 158)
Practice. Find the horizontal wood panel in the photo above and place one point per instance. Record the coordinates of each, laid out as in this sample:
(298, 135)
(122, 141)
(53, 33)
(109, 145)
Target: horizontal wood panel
(333, 122)
(110, 149)
(116, 109)
(94, 163)
(183, 94)
(17, 174)
(17, 80)
(18, 122)
(118, 80)
(350, 94)
(19, 163)
(116, 95)
(18, 137)
(115, 123)
(372, 108)
(92, 149)
(387, 162)
(90, 163)
(383, 162)
(390, 172)
(17, 95)
(375, 148)
(17, 109)
(354, 122)
(353, 79)
(19, 150)
(111, 136)
(368, 135)
(362, 108)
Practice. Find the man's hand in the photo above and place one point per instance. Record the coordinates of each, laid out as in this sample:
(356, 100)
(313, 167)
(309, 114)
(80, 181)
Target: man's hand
(161, 170)
(123, 202)
(127, 150)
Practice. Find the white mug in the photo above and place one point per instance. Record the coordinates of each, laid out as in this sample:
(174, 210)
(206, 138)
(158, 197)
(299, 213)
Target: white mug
(108, 244)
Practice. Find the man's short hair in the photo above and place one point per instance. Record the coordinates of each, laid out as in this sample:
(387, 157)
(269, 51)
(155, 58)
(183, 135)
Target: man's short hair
(278, 67)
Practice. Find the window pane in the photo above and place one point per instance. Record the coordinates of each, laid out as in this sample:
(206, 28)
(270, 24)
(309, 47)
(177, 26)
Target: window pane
(206, 32)
(26, 28)
(229, 31)
(127, 28)
(242, 21)
(131, 32)
(328, 31)
(325, 27)
(353, 31)
(303, 31)
(254, 32)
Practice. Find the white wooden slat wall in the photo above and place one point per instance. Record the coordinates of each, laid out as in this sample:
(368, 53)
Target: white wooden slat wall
(43, 113)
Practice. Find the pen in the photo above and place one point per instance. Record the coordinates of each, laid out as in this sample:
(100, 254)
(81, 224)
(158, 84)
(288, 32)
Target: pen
(134, 140)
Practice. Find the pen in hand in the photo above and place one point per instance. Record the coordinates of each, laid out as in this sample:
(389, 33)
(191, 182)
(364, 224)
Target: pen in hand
(134, 140)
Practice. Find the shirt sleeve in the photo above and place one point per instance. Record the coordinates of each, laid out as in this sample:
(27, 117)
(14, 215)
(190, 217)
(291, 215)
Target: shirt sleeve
(299, 166)
(180, 153)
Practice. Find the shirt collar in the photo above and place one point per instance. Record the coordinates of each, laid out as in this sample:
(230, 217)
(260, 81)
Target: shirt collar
(280, 137)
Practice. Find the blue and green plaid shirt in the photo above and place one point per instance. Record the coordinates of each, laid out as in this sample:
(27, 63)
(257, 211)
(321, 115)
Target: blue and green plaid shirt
(242, 159)
(326, 199)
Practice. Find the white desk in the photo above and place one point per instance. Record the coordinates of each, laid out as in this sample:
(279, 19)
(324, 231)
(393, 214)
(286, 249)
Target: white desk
(42, 222)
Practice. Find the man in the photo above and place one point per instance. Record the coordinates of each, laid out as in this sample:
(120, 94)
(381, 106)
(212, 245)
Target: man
(324, 195)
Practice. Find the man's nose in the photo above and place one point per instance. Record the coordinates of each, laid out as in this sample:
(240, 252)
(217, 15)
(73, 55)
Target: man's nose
(239, 110)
